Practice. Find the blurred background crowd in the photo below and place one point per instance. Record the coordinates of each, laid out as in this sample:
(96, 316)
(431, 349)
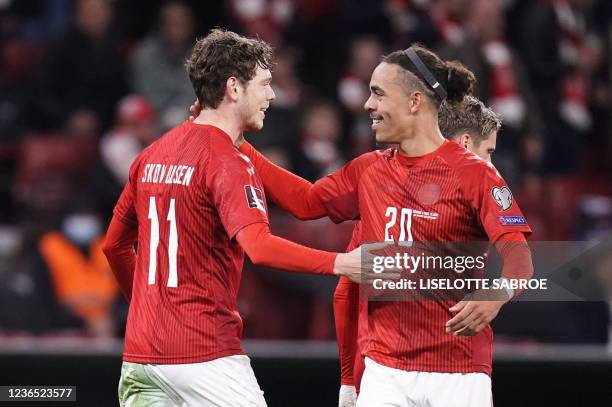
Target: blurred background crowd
(86, 84)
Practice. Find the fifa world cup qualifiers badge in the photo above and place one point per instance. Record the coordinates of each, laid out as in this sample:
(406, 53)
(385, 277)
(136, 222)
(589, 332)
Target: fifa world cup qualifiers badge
(503, 197)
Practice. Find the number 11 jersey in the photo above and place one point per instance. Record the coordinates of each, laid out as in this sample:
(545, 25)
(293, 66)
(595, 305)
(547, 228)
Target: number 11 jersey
(189, 194)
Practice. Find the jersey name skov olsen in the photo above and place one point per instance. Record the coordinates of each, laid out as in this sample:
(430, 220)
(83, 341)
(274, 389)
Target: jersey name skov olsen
(167, 174)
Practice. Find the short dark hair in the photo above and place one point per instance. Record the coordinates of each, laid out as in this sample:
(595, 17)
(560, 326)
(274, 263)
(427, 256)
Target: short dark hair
(452, 75)
(467, 116)
(221, 55)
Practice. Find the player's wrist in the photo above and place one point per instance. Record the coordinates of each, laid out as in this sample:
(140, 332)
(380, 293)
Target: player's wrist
(347, 397)
(508, 291)
(338, 268)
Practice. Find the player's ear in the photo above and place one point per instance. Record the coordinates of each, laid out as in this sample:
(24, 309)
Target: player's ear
(465, 140)
(232, 88)
(416, 100)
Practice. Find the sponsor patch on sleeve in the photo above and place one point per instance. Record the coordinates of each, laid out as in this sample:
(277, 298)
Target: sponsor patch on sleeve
(512, 220)
(254, 197)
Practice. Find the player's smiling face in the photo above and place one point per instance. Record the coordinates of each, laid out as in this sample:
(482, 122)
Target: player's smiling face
(257, 96)
(388, 103)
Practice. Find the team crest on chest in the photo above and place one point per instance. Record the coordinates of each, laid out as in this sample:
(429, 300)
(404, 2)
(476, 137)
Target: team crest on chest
(503, 197)
(428, 194)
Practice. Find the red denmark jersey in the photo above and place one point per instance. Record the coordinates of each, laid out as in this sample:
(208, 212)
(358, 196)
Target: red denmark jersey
(449, 195)
(189, 193)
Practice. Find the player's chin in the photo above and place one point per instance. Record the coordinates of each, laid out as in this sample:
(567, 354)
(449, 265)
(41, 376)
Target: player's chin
(380, 137)
(255, 125)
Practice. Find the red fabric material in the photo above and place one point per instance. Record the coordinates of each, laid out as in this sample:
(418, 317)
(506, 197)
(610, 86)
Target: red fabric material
(514, 250)
(189, 194)
(346, 311)
(450, 195)
(119, 250)
(263, 248)
(290, 192)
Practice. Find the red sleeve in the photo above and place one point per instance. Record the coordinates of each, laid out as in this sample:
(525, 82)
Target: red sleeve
(339, 191)
(514, 250)
(125, 209)
(236, 191)
(346, 314)
(119, 250)
(334, 195)
(491, 197)
(263, 248)
(292, 193)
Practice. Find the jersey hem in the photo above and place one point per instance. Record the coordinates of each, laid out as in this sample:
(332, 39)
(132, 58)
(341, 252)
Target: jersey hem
(423, 367)
(174, 360)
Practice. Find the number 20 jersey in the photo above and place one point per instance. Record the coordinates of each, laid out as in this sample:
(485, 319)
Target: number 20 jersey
(189, 194)
(449, 195)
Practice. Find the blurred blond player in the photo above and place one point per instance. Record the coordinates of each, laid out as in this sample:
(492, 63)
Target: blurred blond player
(470, 124)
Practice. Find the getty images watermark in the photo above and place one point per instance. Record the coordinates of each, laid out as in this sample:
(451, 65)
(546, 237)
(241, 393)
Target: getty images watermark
(563, 271)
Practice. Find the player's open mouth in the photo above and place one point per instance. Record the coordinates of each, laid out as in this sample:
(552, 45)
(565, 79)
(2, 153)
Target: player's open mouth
(376, 120)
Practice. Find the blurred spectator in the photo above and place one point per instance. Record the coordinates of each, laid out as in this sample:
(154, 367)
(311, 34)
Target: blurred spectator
(363, 17)
(83, 70)
(286, 84)
(594, 220)
(265, 19)
(26, 286)
(321, 130)
(38, 19)
(158, 65)
(134, 129)
(81, 278)
(450, 17)
(314, 31)
(502, 83)
(53, 167)
(561, 59)
(354, 90)
(411, 21)
(280, 135)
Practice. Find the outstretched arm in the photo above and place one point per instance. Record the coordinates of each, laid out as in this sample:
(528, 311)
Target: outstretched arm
(263, 248)
(334, 195)
(289, 191)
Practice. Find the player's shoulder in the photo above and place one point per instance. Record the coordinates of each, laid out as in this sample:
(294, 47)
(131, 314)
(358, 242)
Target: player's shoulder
(366, 159)
(466, 164)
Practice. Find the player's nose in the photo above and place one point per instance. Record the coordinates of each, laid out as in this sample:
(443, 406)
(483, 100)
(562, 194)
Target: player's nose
(271, 94)
(370, 104)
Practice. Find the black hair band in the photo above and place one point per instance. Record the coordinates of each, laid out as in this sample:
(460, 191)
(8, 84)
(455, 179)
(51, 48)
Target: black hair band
(425, 73)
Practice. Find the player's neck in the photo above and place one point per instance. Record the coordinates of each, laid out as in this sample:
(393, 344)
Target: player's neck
(424, 139)
(221, 120)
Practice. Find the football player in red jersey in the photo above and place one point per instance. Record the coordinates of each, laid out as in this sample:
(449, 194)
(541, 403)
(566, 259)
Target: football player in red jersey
(195, 205)
(470, 124)
(418, 353)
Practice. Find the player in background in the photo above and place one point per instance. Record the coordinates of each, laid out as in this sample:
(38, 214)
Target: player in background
(418, 353)
(470, 124)
(195, 205)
